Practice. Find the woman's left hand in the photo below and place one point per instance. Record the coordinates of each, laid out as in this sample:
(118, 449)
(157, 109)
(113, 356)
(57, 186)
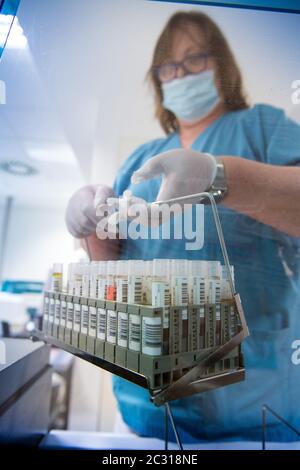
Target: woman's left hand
(184, 172)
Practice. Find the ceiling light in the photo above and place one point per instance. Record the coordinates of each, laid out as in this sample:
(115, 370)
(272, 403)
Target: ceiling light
(17, 168)
(50, 152)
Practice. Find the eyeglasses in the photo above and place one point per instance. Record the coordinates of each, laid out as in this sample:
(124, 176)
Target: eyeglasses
(194, 63)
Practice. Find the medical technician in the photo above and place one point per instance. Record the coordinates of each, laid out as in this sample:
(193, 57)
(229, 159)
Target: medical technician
(252, 155)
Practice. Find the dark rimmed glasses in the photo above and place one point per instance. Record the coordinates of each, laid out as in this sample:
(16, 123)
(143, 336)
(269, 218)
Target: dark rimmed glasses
(194, 63)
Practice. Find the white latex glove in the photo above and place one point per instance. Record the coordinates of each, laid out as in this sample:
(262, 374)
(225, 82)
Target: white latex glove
(128, 202)
(183, 172)
(125, 209)
(81, 218)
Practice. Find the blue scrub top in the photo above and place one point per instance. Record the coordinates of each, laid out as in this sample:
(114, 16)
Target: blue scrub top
(266, 263)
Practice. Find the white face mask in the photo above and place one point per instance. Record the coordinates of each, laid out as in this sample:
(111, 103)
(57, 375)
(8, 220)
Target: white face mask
(191, 97)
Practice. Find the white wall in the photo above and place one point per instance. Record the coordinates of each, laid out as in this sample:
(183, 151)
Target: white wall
(93, 405)
(37, 237)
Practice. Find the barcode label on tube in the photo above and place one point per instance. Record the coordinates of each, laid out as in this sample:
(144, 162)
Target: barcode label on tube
(218, 324)
(56, 282)
(160, 294)
(202, 327)
(180, 291)
(122, 290)
(214, 292)
(51, 310)
(218, 292)
(184, 292)
(233, 322)
(63, 313)
(101, 313)
(202, 291)
(57, 312)
(135, 290)
(111, 332)
(101, 288)
(134, 332)
(46, 308)
(123, 329)
(152, 336)
(77, 317)
(92, 321)
(166, 317)
(84, 319)
(198, 293)
(70, 315)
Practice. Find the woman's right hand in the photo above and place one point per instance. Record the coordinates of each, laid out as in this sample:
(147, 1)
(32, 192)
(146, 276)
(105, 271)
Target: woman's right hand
(81, 218)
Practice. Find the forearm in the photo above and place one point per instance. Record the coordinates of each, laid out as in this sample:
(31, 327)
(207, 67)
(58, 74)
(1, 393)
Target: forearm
(99, 250)
(267, 193)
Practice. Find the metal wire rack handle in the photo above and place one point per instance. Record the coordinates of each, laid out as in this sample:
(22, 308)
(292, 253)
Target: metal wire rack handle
(191, 377)
(198, 197)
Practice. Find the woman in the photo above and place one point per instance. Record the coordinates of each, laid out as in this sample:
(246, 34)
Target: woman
(201, 106)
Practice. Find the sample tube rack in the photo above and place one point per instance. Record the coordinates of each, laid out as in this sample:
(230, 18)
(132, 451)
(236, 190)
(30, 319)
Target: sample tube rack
(129, 339)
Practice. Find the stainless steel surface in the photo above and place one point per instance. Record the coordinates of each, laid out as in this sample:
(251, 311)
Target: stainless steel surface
(127, 374)
(25, 389)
